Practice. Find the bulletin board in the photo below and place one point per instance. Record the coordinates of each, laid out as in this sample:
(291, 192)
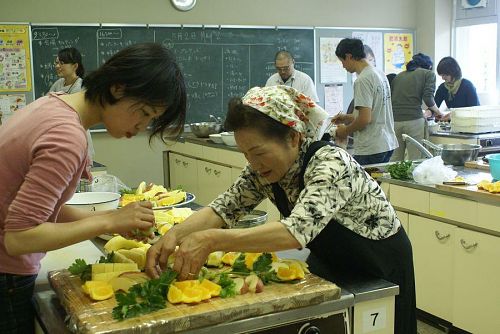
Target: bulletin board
(391, 50)
(15, 68)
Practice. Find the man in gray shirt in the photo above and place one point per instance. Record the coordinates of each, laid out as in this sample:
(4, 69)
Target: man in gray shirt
(409, 89)
(287, 75)
(371, 123)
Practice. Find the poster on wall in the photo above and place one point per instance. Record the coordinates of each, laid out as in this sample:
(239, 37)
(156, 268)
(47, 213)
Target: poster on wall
(334, 99)
(374, 47)
(331, 67)
(10, 103)
(15, 68)
(398, 50)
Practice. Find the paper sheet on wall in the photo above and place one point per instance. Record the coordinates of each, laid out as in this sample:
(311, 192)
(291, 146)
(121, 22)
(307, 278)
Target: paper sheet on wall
(334, 99)
(398, 50)
(374, 40)
(10, 103)
(331, 67)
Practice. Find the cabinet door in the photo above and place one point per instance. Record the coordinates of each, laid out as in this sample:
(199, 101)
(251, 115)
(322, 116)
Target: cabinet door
(403, 218)
(183, 173)
(476, 306)
(432, 243)
(213, 180)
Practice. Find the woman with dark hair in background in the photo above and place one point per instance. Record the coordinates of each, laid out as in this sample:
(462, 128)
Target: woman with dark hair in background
(138, 87)
(70, 71)
(455, 91)
(409, 89)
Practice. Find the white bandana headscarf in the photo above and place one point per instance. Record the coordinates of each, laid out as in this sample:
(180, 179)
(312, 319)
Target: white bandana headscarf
(289, 107)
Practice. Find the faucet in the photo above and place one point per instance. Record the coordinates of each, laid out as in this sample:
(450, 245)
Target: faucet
(217, 120)
(419, 146)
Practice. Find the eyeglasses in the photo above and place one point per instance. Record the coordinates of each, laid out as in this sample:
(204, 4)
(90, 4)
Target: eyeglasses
(58, 62)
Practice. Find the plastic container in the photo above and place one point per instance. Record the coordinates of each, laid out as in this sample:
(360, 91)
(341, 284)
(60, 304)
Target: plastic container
(494, 161)
(216, 138)
(479, 119)
(228, 138)
(95, 201)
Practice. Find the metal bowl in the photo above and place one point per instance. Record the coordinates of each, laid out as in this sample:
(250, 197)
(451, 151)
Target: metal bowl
(254, 218)
(204, 129)
(458, 154)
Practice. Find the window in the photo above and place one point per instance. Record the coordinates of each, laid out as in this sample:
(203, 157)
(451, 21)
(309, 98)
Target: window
(476, 52)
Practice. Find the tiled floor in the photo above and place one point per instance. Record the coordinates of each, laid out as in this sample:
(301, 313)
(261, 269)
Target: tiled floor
(424, 328)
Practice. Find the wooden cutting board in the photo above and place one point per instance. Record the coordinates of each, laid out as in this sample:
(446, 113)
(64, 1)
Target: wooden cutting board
(478, 164)
(470, 191)
(87, 316)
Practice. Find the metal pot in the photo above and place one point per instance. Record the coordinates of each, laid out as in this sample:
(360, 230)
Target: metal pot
(452, 154)
(455, 154)
(204, 129)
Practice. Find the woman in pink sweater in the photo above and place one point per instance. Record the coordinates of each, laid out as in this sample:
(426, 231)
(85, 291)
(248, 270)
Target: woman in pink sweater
(43, 150)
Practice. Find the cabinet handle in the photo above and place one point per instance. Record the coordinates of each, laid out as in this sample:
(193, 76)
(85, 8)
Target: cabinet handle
(440, 236)
(177, 161)
(216, 172)
(467, 246)
(185, 164)
(208, 170)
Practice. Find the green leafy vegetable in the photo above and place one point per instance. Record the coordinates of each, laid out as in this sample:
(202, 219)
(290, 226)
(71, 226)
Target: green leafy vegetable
(145, 297)
(239, 265)
(401, 170)
(228, 286)
(84, 270)
(127, 191)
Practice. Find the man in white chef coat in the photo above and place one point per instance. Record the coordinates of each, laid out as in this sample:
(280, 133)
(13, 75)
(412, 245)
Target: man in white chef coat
(287, 75)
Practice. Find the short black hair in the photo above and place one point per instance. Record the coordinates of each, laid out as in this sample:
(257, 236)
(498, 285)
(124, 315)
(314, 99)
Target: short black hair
(352, 46)
(240, 116)
(449, 66)
(72, 56)
(283, 54)
(150, 75)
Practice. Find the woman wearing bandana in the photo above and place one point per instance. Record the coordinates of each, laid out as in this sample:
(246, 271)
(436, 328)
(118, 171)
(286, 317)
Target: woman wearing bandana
(328, 202)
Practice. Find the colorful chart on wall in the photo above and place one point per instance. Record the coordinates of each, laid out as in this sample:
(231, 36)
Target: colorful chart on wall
(332, 70)
(398, 50)
(15, 64)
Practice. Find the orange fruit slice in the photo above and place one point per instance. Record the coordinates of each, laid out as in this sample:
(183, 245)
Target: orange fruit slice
(174, 295)
(212, 287)
(101, 292)
(192, 295)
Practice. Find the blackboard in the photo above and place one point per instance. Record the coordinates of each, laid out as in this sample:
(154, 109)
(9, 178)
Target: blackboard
(218, 62)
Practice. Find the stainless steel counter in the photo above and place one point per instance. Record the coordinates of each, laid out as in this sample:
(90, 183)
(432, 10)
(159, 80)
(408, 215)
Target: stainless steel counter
(471, 175)
(191, 138)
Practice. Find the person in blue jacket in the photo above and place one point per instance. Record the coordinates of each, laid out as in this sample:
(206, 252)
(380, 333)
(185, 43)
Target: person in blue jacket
(455, 91)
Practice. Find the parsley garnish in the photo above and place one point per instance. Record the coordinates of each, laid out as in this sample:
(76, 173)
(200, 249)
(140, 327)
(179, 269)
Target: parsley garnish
(145, 297)
(84, 270)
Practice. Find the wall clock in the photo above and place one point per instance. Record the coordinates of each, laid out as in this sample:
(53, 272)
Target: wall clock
(183, 5)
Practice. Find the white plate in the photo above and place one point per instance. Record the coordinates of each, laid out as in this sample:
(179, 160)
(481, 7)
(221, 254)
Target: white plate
(189, 198)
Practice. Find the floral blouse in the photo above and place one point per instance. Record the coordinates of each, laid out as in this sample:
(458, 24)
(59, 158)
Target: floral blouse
(337, 190)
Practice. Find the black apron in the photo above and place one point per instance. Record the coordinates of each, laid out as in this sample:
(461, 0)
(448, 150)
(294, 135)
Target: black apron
(339, 252)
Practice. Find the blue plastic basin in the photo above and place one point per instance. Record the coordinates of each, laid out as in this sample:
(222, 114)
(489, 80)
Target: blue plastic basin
(494, 161)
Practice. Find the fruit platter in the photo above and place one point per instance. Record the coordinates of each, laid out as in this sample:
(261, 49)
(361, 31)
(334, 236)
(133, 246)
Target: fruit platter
(160, 196)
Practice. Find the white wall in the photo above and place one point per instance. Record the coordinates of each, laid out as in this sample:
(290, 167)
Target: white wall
(350, 13)
(132, 160)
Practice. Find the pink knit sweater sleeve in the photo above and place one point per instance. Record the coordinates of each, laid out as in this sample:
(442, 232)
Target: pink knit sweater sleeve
(57, 161)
